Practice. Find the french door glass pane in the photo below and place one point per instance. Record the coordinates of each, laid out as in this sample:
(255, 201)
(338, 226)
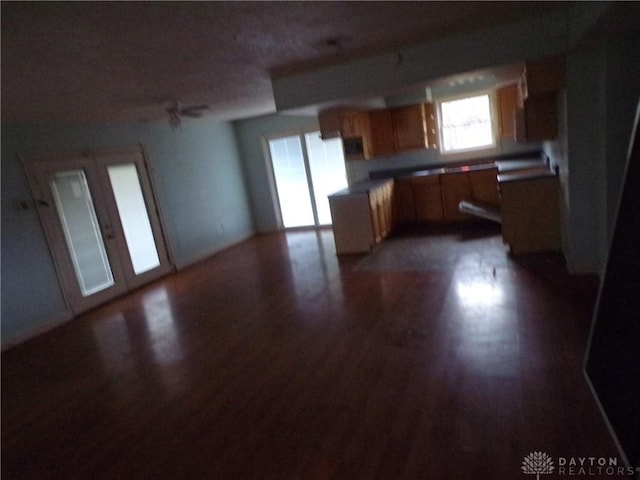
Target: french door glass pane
(328, 174)
(81, 230)
(291, 182)
(134, 217)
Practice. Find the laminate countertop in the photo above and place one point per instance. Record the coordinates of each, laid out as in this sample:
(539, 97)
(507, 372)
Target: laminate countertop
(360, 187)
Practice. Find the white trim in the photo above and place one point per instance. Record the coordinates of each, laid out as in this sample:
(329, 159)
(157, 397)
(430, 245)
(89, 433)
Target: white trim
(493, 112)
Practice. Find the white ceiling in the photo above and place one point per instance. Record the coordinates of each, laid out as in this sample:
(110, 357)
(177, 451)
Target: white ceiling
(66, 62)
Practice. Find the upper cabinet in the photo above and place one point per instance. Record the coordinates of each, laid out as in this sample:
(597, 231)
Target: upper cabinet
(383, 132)
(507, 110)
(383, 140)
(330, 123)
(536, 113)
(409, 127)
(403, 129)
(354, 124)
(543, 76)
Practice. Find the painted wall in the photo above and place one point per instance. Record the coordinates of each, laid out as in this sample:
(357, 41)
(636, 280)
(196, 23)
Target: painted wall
(200, 188)
(251, 136)
(596, 116)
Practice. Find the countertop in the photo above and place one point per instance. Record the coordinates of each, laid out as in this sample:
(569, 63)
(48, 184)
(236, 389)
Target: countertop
(504, 162)
(508, 170)
(360, 188)
(531, 174)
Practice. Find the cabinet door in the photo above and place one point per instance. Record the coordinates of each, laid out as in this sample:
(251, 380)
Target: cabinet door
(409, 127)
(455, 188)
(484, 186)
(545, 75)
(404, 201)
(382, 137)
(330, 124)
(538, 119)
(428, 198)
(530, 214)
(507, 111)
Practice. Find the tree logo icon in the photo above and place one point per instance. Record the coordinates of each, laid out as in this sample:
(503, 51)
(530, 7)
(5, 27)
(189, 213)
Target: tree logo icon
(537, 463)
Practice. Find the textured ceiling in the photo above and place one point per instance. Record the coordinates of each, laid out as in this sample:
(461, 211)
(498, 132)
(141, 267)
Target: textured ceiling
(65, 62)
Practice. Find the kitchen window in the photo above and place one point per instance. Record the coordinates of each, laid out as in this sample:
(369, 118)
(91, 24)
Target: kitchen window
(466, 124)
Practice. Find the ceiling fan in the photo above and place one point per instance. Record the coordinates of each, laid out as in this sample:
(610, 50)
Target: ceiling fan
(177, 111)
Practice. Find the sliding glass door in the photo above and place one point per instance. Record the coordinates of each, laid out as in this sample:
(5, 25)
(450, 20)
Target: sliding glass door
(306, 170)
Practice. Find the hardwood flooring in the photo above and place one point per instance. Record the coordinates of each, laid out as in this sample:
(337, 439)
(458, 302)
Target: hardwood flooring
(277, 360)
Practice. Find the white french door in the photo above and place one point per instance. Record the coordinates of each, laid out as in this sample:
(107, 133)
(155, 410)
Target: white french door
(306, 170)
(100, 218)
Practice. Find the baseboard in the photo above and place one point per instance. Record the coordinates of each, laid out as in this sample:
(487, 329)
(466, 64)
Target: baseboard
(30, 333)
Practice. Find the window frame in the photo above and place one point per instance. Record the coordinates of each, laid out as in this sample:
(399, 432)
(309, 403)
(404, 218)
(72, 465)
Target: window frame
(493, 112)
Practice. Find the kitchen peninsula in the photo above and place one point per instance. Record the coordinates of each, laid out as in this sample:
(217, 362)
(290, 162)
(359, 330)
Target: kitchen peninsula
(522, 194)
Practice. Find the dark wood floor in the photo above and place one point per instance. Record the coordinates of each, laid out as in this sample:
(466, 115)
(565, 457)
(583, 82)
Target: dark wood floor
(276, 360)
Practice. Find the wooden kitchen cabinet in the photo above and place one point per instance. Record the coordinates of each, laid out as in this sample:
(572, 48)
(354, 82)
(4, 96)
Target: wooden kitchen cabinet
(507, 110)
(335, 123)
(381, 202)
(382, 136)
(537, 118)
(483, 186)
(330, 123)
(455, 187)
(405, 207)
(544, 75)
(530, 212)
(402, 129)
(354, 124)
(428, 198)
(410, 128)
(362, 216)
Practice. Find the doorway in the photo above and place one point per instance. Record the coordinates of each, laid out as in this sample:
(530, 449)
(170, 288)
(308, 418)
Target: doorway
(306, 170)
(100, 218)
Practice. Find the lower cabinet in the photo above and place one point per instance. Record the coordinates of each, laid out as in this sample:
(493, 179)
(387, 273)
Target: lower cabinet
(484, 186)
(362, 217)
(435, 197)
(455, 188)
(428, 198)
(404, 200)
(530, 212)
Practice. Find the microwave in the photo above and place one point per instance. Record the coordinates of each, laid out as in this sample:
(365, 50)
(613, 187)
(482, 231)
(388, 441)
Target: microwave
(353, 148)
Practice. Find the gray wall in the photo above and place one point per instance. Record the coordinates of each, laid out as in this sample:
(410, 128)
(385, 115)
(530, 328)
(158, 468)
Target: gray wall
(200, 188)
(596, 116)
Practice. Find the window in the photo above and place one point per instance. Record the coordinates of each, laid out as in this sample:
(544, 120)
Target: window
(466, 124)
